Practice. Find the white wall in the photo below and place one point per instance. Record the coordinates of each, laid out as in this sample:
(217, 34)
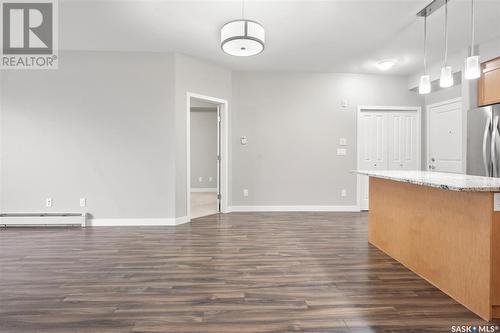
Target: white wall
(195, 76)
(204, 148)
(106, 126)
(293, 123)
(99, 127)
(111, 127)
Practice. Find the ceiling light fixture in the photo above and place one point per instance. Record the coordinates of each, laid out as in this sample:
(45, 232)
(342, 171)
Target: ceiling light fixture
(425, 80)
(472, 67)
(242, 38)
(446, 79)
(384, 65)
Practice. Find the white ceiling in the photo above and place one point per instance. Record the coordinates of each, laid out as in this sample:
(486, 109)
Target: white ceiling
(319, 36)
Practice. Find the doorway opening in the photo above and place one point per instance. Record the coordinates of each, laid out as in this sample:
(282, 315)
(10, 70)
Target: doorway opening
(206, 155)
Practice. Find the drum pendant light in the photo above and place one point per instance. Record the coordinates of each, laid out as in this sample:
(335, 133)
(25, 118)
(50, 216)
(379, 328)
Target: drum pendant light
(242, 37)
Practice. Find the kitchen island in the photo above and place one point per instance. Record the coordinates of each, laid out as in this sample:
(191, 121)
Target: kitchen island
(445, 228)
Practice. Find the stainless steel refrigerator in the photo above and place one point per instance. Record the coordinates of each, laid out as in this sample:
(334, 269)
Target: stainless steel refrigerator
(483, 141)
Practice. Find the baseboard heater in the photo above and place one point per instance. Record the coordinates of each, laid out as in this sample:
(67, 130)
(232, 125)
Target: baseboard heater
(42, 219)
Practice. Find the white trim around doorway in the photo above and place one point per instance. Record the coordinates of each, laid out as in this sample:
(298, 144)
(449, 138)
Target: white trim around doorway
(224, 185)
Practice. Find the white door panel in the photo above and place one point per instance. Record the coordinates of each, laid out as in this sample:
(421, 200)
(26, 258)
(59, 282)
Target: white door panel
(410, 137)
(445, 153)
(388, 141)
(374, 148)
(402, 145)
(395, 145)
(373, 127)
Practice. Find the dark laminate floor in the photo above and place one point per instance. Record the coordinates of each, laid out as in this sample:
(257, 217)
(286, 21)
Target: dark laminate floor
(241, 272)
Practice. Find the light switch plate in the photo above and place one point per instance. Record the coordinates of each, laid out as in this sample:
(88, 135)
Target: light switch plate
(341, 152)
(83, 202)
(496, 202)
(343, 142)
(344, 103)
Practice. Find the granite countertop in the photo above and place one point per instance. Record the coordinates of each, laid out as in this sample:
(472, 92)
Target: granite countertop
(449, 181)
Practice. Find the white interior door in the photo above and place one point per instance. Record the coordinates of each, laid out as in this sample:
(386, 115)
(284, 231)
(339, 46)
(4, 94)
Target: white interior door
(444, 137)
(388, 140)
(372, 127)
(402, 143)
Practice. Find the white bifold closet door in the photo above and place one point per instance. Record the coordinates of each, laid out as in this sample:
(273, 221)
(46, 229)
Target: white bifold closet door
(402, 143)
(388, 141)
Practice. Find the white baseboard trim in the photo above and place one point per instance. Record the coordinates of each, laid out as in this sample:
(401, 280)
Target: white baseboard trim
(182, 220)
(202, 189)
(136, 222)
(352, 208)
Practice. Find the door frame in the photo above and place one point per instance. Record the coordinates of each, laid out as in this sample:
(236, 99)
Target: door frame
(362, 108)
(464, 131)
(224, 150)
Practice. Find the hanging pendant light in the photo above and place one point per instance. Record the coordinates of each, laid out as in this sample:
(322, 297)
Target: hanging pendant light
(446, 79)
(472, 67)
(242, 38)
(425, 80)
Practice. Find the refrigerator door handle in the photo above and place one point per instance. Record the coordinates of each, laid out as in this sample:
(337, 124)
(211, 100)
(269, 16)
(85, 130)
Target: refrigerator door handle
(486, 162)
(494, 131)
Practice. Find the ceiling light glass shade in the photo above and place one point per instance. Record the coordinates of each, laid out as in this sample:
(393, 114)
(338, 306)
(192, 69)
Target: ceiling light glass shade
(386, 64)
(472, 68)
(242, 38)
(425, 84)
(446, 79)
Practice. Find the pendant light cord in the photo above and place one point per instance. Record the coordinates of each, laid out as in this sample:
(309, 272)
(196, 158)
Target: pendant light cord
(445, 32)
(472, 29)
(425, 45)
(243, 9)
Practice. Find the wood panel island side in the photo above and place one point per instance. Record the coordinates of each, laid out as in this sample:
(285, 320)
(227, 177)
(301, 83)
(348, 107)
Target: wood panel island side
(445, 228)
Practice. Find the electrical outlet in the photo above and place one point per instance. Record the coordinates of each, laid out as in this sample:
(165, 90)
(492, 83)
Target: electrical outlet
(48, 202)
(83, 202)
(343, 193)
(245, 193)
(342, 142)
(200, 179)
